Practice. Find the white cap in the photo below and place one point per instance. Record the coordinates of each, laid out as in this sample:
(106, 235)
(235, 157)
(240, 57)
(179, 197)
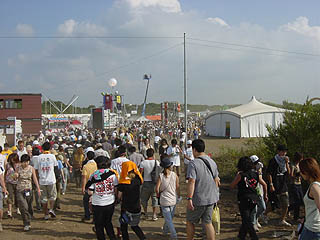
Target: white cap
(88, 149)
(254, 158)
(189, 142)
(35, 142)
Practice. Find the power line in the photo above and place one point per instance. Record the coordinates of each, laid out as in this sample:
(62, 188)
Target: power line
(256, 47)
(243, 50)
(136, 61)
(132, 62)
(89, 37)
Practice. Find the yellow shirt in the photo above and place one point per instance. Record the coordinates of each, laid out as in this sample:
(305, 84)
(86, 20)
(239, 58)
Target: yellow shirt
(89, 169)
(6, 153)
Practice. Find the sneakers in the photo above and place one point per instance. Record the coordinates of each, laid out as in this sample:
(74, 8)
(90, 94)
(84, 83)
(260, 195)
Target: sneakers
(18, 211)
(9, 213)
(85, 220)
(46, 217)
(26, 228)
(285, 223)
(154, 218)
(144, 216)
(264, 219)
(52, 214)
(255, 227)
(258, 224)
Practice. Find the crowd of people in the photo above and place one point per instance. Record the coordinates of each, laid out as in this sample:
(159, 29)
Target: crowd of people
(118, 174)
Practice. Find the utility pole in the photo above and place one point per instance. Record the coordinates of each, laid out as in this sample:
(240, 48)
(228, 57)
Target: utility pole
(185, 88)
(145, 77)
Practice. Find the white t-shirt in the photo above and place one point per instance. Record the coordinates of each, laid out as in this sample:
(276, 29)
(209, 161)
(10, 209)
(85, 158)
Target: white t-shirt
(34, 160)
(104, 191)
(175, 158)
(20, 153)
(189, 154)
(2, 161)
(157, 139)
(116, 163)
(147, 166)
(183, 137)
(45, 167)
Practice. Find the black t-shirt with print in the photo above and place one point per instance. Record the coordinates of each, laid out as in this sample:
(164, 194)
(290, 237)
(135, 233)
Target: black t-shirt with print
(131, 195)
(247, 187)
(279, 179)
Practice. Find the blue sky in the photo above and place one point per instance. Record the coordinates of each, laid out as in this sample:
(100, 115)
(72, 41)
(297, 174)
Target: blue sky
(60, 68)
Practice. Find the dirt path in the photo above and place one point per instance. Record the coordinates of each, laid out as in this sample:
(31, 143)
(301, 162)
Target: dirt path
(68, 224)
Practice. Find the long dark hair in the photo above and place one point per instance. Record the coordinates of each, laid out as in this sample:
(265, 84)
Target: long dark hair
(245, 164)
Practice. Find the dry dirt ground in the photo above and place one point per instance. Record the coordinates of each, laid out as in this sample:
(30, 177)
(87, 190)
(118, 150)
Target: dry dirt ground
(68, 223)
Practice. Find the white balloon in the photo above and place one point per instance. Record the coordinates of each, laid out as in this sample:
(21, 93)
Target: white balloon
(112, 82)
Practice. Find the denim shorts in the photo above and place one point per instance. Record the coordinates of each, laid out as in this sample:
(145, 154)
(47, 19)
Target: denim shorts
(1, 199)
(309, 235)
(147, 191)
(134, 218)
(200, 212)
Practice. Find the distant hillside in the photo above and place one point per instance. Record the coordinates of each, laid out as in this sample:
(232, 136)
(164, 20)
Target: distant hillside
(155, 108)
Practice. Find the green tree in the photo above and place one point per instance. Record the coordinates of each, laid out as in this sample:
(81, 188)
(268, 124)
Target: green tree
(300, 131)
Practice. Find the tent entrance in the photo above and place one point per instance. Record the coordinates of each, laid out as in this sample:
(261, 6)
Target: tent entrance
(227, 129)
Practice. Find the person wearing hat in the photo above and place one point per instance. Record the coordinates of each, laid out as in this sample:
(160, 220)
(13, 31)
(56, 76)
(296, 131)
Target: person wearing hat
(168, 191)
(261, 205)
(100, 152)
(36, 144)
(188, 156)
(277, 173)
(129, 194)
(14, 149)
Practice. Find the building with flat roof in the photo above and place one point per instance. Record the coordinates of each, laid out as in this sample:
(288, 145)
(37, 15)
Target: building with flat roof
(23, 106)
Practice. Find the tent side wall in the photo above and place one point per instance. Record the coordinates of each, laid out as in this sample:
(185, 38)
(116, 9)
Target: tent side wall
(255, 125)
(216, 125)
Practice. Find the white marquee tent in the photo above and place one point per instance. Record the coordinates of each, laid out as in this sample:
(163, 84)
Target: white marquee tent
(247, 120)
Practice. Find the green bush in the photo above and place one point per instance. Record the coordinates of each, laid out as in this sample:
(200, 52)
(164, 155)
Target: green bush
(228, 157)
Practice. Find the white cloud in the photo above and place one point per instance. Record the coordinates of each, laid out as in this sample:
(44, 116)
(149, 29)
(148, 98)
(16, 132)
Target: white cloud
(17, 77)
(170, 6)
(218, 21)
(70, 27)
(301, 26)
(10, 62)
(221, 73)
(67, 28)
(24, 29)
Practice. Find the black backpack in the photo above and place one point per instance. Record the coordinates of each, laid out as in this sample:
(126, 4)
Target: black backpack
(154, 172)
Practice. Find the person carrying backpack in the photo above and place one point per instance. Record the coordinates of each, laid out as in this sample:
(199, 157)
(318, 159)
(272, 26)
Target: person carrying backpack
(148, 169)
(247, 180)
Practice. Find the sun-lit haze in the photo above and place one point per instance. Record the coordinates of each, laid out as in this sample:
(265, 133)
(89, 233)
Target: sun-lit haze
(231, 49)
